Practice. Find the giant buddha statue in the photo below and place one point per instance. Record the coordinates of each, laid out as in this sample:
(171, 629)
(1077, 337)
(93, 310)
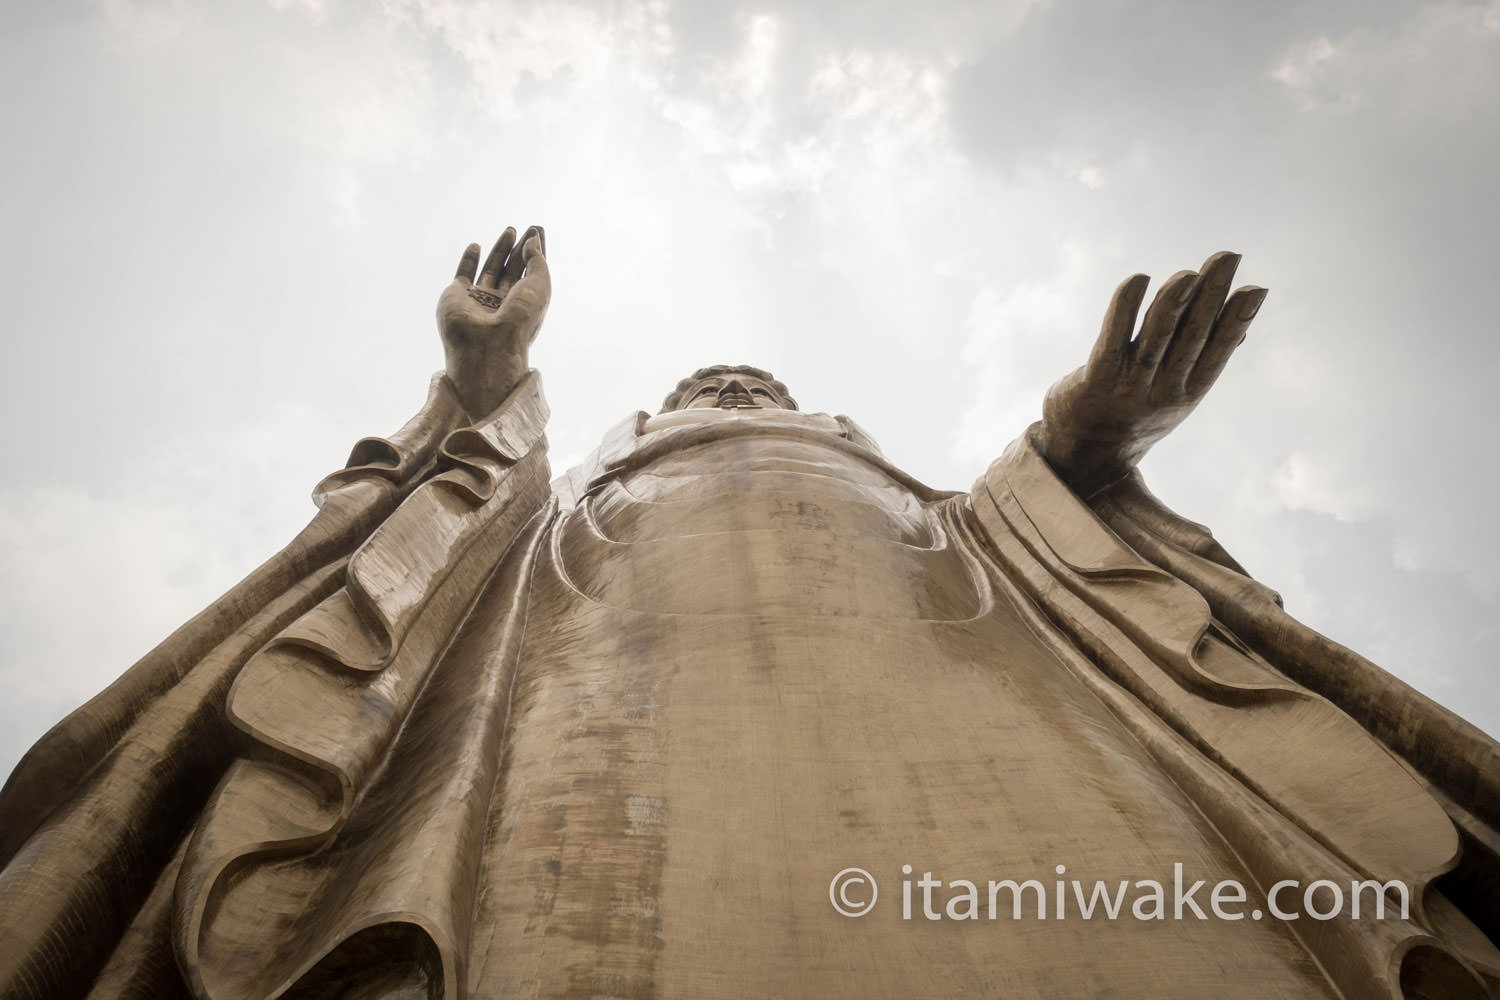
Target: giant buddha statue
(477, 734)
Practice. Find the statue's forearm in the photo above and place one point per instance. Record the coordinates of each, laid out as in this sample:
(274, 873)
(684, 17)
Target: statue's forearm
(483, 374)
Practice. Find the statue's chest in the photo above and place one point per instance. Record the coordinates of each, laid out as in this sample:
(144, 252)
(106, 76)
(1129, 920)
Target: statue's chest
(764, 527)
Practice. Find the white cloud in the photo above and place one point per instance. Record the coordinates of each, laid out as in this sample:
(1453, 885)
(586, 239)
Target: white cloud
(153, 23)
(897, 101)
(1444, 60)
(317, 11)
(1303, 483)
(1303, 68)
(566, 53)
(1454, 535)
(1019, 339)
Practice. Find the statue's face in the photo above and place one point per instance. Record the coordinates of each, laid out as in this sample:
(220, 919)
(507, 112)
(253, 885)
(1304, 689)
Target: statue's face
(732, 390)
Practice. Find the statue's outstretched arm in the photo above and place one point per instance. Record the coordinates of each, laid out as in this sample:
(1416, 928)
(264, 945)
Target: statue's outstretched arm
(489, 316)
(405, 537)
(1098, 421)
(329, 701)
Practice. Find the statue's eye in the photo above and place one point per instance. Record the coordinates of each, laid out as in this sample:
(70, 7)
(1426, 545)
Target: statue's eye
(760, 392)
(707, 390)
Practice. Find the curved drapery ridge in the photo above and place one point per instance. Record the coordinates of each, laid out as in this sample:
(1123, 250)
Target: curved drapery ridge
(622, 515)
(408, 853)
(351, 503)
(625, 574)
(858, 435)
(406, 558)
(1462, 763)
(769, 487)
(404, 454)
(1361, 957)
(1131, 498)
(1353, 784)
(142, 966)
(504, 438)
(336, 729)
(1470, 885)
(281, 872)
(359, 708)
(1352, 796)
(1176, 617)
(324, 704)
(569, 488)
(1452, 753)
(413, 849)
(396, 959)
(76, 884)
(669, 432)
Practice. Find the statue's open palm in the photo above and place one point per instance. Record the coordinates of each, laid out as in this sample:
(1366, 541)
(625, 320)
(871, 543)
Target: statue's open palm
(489, 316)
(1098, 421)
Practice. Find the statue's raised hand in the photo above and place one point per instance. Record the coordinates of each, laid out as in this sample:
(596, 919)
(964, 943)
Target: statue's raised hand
(488, 319)
(1100, 420)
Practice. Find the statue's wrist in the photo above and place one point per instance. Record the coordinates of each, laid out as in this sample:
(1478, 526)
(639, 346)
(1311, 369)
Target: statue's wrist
(480, 396)
(1087, 466)
(483, 376)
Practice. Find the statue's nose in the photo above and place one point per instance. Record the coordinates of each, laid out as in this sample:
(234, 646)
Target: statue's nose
(733, 388)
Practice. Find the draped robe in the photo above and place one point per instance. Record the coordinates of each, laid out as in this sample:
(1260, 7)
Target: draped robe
(472, 734)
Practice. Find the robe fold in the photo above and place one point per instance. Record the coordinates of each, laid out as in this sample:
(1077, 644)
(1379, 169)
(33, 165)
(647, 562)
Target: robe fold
(475, 734)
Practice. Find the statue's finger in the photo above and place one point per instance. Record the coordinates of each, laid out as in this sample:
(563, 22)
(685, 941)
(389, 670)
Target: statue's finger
(516, 263)
(538, 272)
(1159, 328)
(1119, 323)
(468, 264)
(489, 277)
(532, 254)
(1194, 329)
(526, 302)
(1228, 333)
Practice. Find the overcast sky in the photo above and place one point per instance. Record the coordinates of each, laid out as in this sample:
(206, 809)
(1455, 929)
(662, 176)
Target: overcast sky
(226, 226)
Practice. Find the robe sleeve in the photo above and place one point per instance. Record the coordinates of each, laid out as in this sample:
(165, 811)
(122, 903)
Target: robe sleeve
(93, 820)
(339, 846)
(1459, 764)
(1237, 696)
